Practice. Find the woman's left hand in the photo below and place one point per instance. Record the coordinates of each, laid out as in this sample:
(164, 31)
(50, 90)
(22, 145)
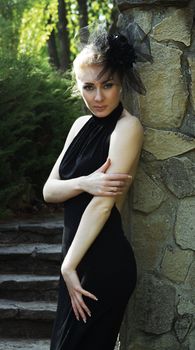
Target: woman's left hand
(76, 293)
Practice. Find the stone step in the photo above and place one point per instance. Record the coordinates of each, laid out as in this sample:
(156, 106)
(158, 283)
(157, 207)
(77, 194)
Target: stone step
(30, 258)
(26, 319)
(35, 232)
(24, 344)
(29, 344)
(31, 310)
(28, 287)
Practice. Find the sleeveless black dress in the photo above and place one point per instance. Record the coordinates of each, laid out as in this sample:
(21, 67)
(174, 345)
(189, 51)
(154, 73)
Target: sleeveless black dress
(108, 269)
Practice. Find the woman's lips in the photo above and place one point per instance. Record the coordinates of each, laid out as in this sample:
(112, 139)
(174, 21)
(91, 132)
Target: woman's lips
(99, 108)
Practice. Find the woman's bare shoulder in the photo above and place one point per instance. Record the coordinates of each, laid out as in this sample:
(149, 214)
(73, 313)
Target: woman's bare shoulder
(80, 122)
(130, 123)
(75, 128)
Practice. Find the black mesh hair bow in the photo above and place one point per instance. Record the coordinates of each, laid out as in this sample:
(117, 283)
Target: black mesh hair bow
(121, 51)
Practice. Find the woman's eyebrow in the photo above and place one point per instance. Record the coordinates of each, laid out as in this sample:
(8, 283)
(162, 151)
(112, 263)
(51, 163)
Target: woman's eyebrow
(103, 82)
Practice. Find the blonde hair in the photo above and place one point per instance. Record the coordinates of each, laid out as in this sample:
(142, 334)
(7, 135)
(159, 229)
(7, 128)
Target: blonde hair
(88, 56)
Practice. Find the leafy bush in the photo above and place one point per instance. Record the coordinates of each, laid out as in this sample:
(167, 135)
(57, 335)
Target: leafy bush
(36, 112)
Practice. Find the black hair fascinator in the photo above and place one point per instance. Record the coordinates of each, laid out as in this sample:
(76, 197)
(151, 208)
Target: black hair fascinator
(120, 52)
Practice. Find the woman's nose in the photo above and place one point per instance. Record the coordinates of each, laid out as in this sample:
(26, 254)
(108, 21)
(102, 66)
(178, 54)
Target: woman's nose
(99, 95)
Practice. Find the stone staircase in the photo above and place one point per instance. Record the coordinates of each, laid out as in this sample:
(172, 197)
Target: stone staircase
(29, 270)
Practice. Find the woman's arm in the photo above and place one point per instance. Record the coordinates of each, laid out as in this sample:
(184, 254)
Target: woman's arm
(55, 190)
(125, 147)
(98, 183)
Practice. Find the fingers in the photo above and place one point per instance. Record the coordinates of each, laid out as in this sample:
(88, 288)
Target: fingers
(83, 307)
(111, 187)
(74, 306)
(118, 177)
(79, 307)
(87, 294)
(110, 194)
(115, 184)
(76, 293)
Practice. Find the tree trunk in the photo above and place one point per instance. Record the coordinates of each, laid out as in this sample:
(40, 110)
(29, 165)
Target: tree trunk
(52, 50)
(83, 13)
(63, 36)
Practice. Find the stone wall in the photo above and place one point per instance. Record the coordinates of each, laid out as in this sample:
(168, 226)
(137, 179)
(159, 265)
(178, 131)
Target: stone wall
(161, 313)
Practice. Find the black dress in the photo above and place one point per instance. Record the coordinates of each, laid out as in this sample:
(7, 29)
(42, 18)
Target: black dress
(108, 269)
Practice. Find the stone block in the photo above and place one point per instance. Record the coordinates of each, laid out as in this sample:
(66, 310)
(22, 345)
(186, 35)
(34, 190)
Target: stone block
(165, 103)
(124, 5)
(150, 342)
(143, 18)
(176, 263)
(191, 277)
(147, 195)
(175, 25)
(185, 224)
(182, 326)
(185, 306)
(154, 305)
(191, 62)
(192, 340)
(179, 176)
(147, 254)
(150, 233)
(165, 144)
(188, 126)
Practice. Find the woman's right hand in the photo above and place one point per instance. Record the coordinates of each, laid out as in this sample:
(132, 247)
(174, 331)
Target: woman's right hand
(76, 293)
(101, 184)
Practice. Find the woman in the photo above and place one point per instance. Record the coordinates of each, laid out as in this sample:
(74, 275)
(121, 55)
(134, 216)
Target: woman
(92, 176)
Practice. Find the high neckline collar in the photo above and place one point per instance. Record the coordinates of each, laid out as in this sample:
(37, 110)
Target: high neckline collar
(114, 115)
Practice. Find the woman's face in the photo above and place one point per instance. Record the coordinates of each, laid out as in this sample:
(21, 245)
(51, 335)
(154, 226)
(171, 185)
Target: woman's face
(101, 96)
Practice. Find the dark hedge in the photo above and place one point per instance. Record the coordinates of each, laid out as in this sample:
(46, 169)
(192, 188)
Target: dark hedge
(36, 112)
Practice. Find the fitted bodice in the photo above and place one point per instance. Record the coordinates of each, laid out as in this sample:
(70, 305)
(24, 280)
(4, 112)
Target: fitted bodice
(89, 149)
(86, 153)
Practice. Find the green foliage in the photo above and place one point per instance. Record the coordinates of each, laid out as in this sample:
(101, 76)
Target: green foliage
(10, 20)
(36, 112)
(36, 107)
(25, 25)
(98, 11)
(36, 26)
(41, 18)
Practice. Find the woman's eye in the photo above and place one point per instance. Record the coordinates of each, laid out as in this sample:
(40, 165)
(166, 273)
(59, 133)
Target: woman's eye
(108, 85)
(88, 87)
